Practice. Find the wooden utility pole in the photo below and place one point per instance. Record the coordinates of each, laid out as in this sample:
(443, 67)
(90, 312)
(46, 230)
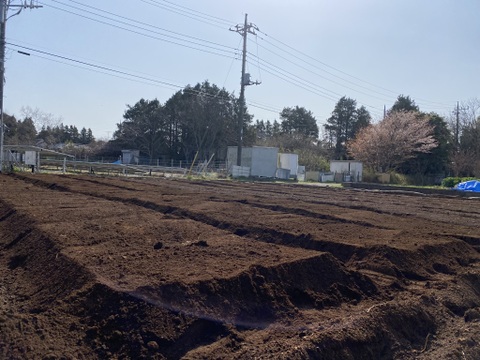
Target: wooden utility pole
(457, 126)
(3, 19)
(244, 81)
(5, 5)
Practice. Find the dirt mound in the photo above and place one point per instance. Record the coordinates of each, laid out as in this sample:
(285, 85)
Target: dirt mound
(259, 296)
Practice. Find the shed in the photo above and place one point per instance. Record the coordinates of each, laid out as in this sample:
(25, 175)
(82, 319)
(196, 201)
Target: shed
(261, 160)
(351, 170)
(130, 156)
(289, 162)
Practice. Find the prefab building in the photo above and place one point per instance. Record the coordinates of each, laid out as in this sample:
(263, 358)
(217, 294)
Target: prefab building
(130, 156)
(347, 170)
(289, 162)
(261, 160)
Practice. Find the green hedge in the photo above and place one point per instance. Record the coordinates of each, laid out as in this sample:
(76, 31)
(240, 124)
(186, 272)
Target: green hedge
(450, 182)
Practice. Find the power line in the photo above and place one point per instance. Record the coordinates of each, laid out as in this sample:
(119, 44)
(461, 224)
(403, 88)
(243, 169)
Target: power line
(289, 80)
(117, 73)
(314, 88)
(23, 43)
(329, 66)
(151, 36)
(138, 22)
(147, 82)
(215, 18)
(92, 65)
(190, 13)
(338, 70)
(184, 13)
(149, 25)
(265, 107)
(321, 76)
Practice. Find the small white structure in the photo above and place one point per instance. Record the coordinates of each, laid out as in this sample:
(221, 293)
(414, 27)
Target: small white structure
(301, 173)
(350, 170)
(283, 174)
(130, 156)
(289, 162)
(240, 171)
(327, 177)
(30, 157)
(261, 160)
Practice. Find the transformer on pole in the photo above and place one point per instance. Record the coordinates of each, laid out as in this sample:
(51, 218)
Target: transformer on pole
(243, 30)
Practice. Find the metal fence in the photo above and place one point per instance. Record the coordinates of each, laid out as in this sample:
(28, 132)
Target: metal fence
(171, 168)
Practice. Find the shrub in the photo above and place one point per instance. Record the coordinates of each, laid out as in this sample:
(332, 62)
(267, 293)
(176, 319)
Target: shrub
(369, 175)
(398, 179)
(450, 182)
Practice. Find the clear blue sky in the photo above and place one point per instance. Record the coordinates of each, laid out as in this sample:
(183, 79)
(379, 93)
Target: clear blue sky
(309, 53)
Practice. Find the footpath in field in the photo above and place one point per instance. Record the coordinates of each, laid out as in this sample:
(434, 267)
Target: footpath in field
(95, 268)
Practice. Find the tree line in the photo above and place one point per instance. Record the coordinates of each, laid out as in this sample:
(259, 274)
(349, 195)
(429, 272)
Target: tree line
(24, 132)
(202, 120)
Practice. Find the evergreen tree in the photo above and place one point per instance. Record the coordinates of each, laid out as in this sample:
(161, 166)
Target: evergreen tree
(343, 125)
(298, 121)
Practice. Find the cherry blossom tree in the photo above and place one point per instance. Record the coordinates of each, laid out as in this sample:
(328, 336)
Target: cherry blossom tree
(398, 137)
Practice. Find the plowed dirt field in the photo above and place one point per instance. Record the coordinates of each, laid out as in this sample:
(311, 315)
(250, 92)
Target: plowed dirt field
(130, 268)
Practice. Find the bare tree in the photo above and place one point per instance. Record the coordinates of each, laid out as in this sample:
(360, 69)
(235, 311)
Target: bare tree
(398, 137)
(468, 114)
(40, 118)
(463, 162)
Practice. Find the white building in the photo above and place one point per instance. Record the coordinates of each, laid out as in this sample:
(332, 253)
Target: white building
(346, 170)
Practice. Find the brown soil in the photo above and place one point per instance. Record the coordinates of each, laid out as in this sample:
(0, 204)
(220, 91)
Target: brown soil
(125, 268)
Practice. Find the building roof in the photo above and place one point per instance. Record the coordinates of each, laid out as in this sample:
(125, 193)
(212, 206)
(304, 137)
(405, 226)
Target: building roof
(23, 148)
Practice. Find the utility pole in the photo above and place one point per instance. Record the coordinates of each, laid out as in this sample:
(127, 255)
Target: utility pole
(457, 126)
(5, 5)
(244, 81)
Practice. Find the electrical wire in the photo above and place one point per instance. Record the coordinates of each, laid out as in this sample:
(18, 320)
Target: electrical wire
(284, 72)
(125, 75)
(207, 17)
(129, 70)
(215, 18)
(92, 65)
(151, 36)
(149, 82)
(319, 90)
(231, 63)
(326, 78)
(265, 107)
(139, 22)
(179, 12)
(336, 69)
(293, 81)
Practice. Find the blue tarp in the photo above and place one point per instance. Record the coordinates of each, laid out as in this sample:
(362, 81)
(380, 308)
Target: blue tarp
(472, 185)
